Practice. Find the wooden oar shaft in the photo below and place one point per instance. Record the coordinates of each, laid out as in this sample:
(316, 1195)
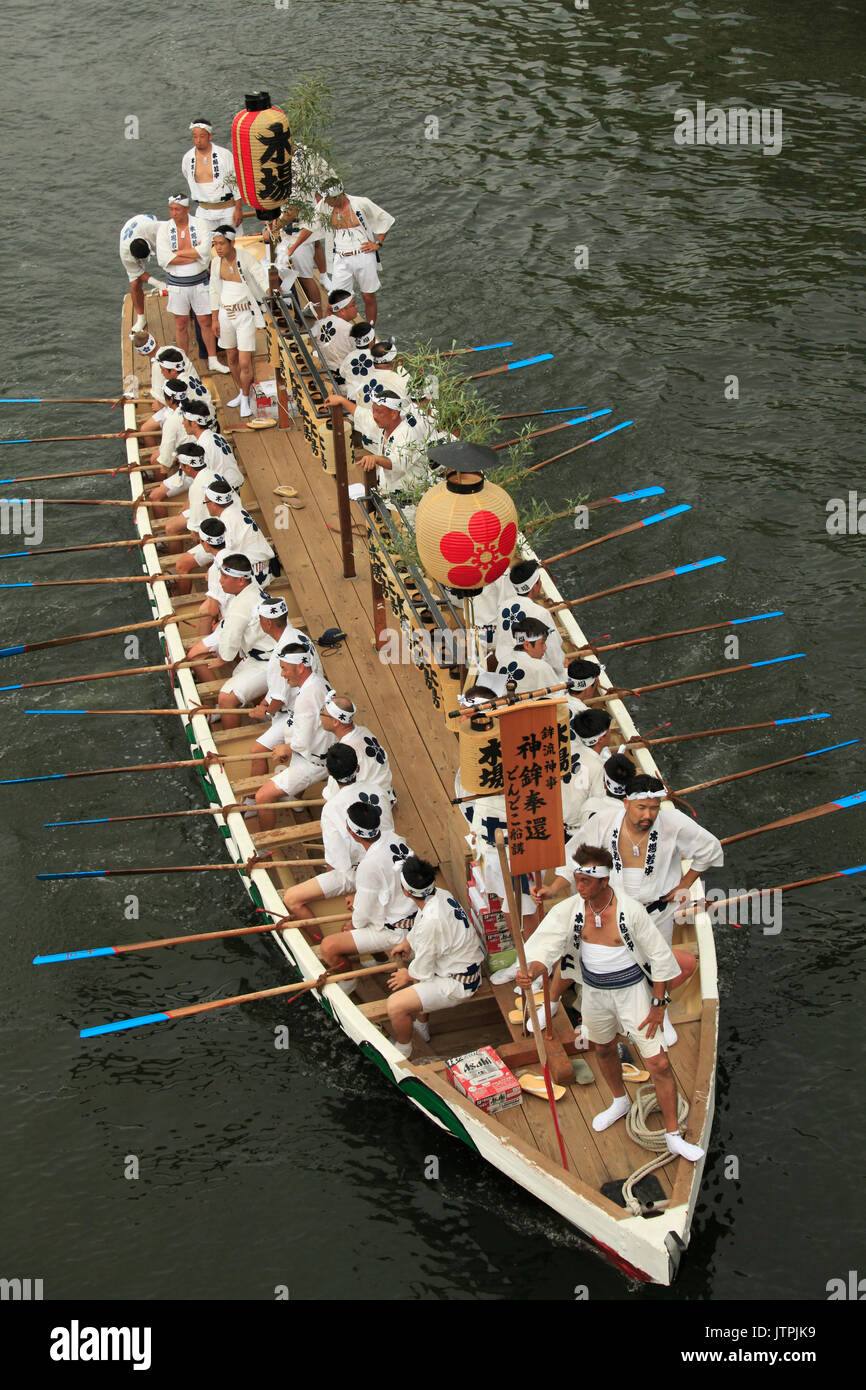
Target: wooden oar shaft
(525, 414)
(134, 543)
(735, 776)
(124, 671)
(86, 473)
(658, 637)
(536, 434)
(102, 502)
(706, 906)
(812, 814)
(298, 988)
(242, 867)
(202, 936)
(556, 457)
(215, 808)
(504, 702)
(615, 589)
(64, 400)
(75, 438)
(200, 709)
(638, 740)
(112, 579)
(102, 632)
(598, 540)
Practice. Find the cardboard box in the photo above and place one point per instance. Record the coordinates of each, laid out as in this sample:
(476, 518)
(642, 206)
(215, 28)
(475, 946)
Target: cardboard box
(483, 1078)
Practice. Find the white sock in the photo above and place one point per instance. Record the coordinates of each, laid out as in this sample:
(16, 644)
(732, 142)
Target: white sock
(140, 324)
(669, 1032)
(504, 976)
(422, 1029)
(245, 407)
(615, 1111)
(236, 400)
(217, 366)
(405, 1049)
(250, 801)
(678, 1145)
(540, 1015)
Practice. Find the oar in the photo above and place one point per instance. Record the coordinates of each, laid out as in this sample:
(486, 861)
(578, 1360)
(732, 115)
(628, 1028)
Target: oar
(215, 809)
(111, 579)
(618, 692)
(765, 767)
(86, 636)
(208, 761)
(623, 531)
(812, 814)
(563, 425)
(505, 701)
(703, 905)
(61, 400)
(241, 867)
(199, 709)
(485, 347)
(92, 502)
(85, 473)
(64, 956)
(75, 438)
(553, 410)
(639, 740)
(132, 544)
(585, 445)
(515, 926)
(509, 367)
(591, 506)
(680, 632)
(636, 583)
(112, 675)
(190, 1009)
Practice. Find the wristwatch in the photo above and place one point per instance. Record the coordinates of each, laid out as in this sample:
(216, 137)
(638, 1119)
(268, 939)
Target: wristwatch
(661, 1003)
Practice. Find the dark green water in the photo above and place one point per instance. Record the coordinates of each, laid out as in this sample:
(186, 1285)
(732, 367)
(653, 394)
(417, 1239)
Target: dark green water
(302, 1168)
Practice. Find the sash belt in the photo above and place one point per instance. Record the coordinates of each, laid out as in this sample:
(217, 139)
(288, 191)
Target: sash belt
(181, 281)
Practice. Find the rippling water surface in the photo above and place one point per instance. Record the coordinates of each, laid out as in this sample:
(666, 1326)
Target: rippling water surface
(555, 131)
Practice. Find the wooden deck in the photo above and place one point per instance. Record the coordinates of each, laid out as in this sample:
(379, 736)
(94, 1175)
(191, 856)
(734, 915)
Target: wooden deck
(394, 702)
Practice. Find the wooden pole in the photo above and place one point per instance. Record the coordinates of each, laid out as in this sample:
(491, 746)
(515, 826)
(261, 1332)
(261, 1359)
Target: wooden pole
(342, 478)
(243, 867)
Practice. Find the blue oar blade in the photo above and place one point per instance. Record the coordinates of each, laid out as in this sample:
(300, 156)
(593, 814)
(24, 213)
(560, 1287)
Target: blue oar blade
(777, 660)
(637, 494)
(663, 516)
(123, 1023)
(800, 718)
(12, 651)
(46, 777)
(831, 748)
(22, 400)
(604, 434)
(859, 869)
(845, 801)
(57, 824)
(700, 564)
(57, 711)
(25, 584)
(488, 347)
(75, 955)
(581, 419)
(757, 618)
(78, 873)
(15, 554)
(561, 409)
(529, 361)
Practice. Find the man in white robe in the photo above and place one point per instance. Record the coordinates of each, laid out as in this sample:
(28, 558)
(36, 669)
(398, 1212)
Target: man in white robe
(525, 580)
(238, 281)
(137, 245)
(209, 170)
(355, 229)
(183, 246)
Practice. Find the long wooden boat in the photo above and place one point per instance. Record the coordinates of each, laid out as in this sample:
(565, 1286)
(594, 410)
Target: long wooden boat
(333, 580)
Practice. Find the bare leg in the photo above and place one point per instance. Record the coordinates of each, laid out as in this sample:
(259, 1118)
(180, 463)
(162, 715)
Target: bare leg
(226, 701)
(299, 896)
(314, 294)
(136, 289)
(370, 307)
(611, 1067)
(181, 332)
(207, 333)
(242, 370)
(265, 796)
(662, 1075)
(402, 1007)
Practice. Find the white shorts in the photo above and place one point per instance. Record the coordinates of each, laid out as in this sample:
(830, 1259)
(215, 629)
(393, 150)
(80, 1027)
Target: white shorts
(335, 882)
(248, 681)
(299, 775)
(443, 992)
(368, 939)
(192, 297)
(302, 261)
(361, 268)
(159, 415)
(607, 1012)
(217, 217)
(277, 733)
(238, 330)
(176, 484)
(212, 641)
(202, 557)
(664, 922)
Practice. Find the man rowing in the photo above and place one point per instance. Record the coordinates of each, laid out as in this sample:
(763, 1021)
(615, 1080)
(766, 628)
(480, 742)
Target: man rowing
(355, 229)
(307, 743)
(238, 281)
(343, 851)
(338, 718)
(238, 637)
(606, 940)
(242, 533)
(446, 956)
(219, 456)
(279, 698)
(183, 247)
(137, 245)
(209, 171)
(381, 916)
(166, 363)
(525, 661)
(525, 579)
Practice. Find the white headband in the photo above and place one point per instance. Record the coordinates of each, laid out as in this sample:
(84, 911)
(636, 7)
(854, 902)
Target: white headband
(646, 796)
(223, 499)
(190, 460)
(364, 339)
(227, 233)
(417, 892)
(236, 574)
(332, 190)
(147, 346)
(342, 716)
(527, 583)
(295, 658)
(389, 355)
(180, 198)
(578, 683)
(201, 125)
(361, 831)
(520, 637)
(592, 870)
(615, 788)
(593, 739)
(273, 608)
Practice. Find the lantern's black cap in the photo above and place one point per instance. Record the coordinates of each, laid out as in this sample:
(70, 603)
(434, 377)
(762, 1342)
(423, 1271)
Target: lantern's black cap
(257, 101)
(459, 456)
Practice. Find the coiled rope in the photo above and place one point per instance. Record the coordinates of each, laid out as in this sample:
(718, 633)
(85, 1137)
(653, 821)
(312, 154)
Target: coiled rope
(643, 1105)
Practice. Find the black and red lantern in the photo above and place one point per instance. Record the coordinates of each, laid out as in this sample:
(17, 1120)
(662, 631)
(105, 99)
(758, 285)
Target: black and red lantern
(262, 147)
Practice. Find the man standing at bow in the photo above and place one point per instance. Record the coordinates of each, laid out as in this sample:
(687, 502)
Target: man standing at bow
(210, 172)
(606, 940)
(355, 229)
(183, 250)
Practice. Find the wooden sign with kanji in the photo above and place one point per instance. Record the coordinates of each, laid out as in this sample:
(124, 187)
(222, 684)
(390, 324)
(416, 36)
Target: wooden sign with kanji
(533, 799)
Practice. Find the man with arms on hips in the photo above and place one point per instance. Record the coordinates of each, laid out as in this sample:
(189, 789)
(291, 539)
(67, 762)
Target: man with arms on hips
(237, 638)
(343, 851)
(137, 245)
(446, 956)
(307, 743)
(183, 250)
(606, 939)
(209, 170)
(237, 282)
(381, 915)
(355, 229)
